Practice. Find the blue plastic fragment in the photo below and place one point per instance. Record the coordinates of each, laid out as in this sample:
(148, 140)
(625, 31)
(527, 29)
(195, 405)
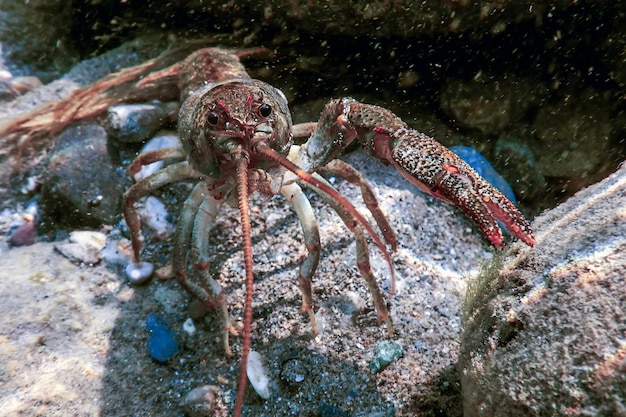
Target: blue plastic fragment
(161, 342)
(482, 166)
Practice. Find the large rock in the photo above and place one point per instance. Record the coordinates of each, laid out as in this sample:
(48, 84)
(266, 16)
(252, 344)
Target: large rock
(81, 185)
(574, 137)
(545, 333)
(490, 104)
(54, 333)
(35, 35)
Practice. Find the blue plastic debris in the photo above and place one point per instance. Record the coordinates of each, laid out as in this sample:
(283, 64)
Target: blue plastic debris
(161, 343)
(482, 166)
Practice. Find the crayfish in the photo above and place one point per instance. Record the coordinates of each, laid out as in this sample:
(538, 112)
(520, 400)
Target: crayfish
(237, 138)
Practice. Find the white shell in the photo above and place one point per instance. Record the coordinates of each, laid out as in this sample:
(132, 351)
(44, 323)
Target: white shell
(257, 375)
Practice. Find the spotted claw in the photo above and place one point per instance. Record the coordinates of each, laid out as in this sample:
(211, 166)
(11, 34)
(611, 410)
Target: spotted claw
(441, 173)
(419, 158)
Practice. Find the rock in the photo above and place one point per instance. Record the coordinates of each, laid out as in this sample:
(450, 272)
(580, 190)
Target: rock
(36, 34)
(489, 103)
(189, 327)
(482, 166)
(545, 329)
(24, 234)
(204, 401)
(257, 375)
(81, 185)
(132, 52)
(138, 122)
(293, 372)
(574, 136)
(386, 353)
(139, 272)
(83, 246)
(154, 214)
(117, 252)
(162, 345)
(21, 228)
(85, 72)
(162, 141)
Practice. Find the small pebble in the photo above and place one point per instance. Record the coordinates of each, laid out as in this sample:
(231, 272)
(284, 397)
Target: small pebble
(30, 186)
(116, 252)
(23, 235)
(14, 87)
(189, 327)
(158, 142)
(83, 246)
(258, 375)
(156, 216)
(89, 238)
(78, 253)
(161, 343)
(137, 122)
(164, 273)
(203, 401)
(386, 353)
(293, 372)
(139, 272)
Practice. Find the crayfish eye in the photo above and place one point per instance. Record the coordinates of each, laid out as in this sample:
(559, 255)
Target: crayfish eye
(213, 118)
(265, 110)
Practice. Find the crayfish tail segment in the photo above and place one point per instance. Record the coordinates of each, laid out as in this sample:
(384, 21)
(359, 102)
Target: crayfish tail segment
(438, 171)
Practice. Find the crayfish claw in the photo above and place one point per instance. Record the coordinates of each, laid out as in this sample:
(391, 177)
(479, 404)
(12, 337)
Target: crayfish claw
(441, 173)
(505, 211)
(456, 190)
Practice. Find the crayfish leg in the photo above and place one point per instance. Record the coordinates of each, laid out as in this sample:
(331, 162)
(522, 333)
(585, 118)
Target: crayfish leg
(363, 257)
(301, 205)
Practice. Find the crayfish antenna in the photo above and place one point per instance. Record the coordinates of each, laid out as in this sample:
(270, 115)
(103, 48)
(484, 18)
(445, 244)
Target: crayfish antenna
(242, 194)
(332, 193)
